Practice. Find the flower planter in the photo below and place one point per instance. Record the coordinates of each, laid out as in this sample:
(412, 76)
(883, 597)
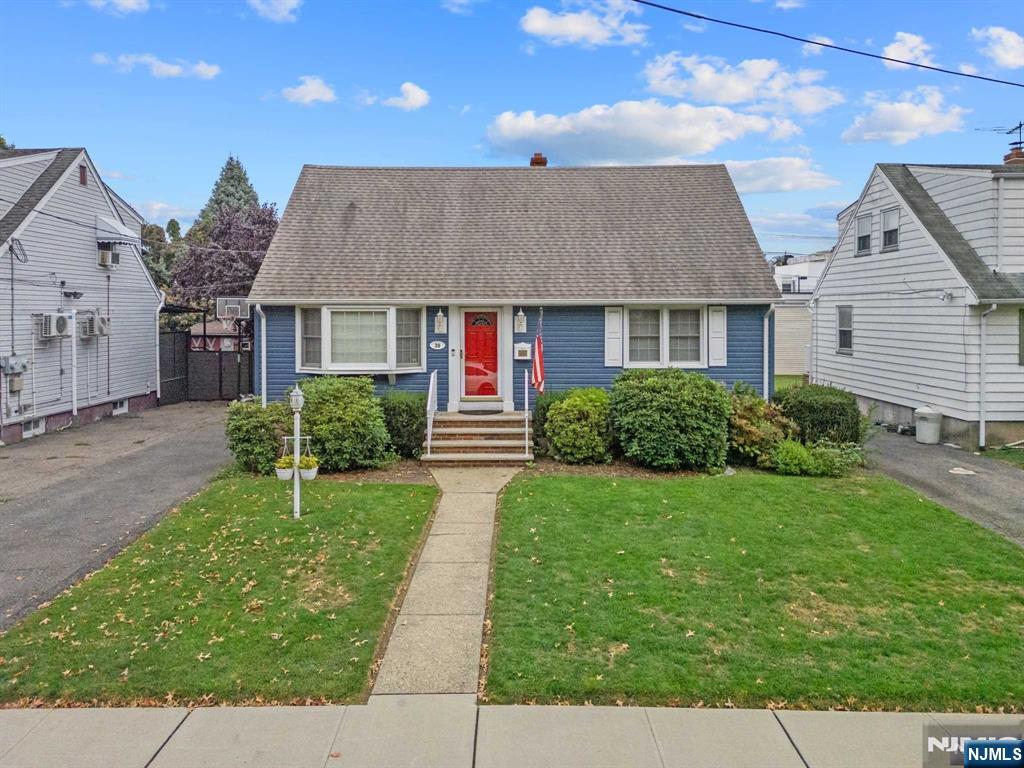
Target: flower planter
(309, 474)
(284, 474)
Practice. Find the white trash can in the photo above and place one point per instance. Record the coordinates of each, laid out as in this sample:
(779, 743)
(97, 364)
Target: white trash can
(928, 425)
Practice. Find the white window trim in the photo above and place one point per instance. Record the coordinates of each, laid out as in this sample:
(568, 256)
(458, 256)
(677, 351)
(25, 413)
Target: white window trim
(839, 349)
(856, 234)
(119, 407)
(663, 361)
(390, 367)
(881, 242)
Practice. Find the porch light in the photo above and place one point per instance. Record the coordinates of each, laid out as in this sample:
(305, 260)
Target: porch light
(520, 325)
(440, 322)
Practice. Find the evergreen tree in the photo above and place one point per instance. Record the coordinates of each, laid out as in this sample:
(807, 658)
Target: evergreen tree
(173, 230)
(232, 192)
(4, 144)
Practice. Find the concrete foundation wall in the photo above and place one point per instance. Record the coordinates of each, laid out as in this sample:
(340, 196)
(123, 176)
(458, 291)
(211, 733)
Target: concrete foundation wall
(12, 433)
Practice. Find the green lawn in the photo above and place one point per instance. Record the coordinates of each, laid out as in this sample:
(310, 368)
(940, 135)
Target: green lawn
(229, 599)
(751, 590)
(1013, 456)
(785, 381)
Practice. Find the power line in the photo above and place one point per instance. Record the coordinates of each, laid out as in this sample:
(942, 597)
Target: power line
(833, 46)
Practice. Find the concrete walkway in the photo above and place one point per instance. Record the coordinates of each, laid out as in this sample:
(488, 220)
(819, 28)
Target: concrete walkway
(993, 496)
(450, 731)
(70, 501)
(434, 647)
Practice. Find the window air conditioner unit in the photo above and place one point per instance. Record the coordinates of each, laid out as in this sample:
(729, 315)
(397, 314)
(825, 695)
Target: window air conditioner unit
(55, 324)
(108, 255)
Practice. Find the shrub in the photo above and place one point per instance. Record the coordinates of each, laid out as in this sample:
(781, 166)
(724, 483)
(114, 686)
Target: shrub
(345, 422)
(541, 442)
(254, 434)
(823, 459)
(405, 415)
(822, 413)
(670, 419)
(755, 426)
(791, 457)
(578, 428)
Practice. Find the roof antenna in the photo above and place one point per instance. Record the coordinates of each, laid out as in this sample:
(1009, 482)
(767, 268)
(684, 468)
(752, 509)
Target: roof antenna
(1017, 129)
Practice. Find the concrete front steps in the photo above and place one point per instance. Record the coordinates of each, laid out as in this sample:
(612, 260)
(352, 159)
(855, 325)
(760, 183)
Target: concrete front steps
(479, 439)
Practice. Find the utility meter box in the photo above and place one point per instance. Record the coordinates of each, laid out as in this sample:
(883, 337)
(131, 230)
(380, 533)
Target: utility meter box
(12, 365)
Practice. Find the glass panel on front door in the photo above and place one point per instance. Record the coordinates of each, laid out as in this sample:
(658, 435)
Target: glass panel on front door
(480, 367)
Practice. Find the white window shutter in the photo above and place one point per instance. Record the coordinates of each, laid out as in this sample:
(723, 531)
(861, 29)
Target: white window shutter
(613, 337)
(717, 336)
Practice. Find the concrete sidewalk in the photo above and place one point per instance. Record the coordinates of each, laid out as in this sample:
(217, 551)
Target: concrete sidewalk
(451, 731)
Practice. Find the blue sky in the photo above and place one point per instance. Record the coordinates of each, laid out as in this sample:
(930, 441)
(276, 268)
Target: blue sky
(160, 91)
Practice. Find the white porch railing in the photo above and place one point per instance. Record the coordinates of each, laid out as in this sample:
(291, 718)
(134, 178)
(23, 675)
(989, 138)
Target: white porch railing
(526, 414)
(431, 407)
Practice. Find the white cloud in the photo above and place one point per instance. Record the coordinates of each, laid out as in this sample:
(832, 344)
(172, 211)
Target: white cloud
(120, 7)
(628, 132)
(921, 112)
(411, 97)
(692, 27)
(276, 10)
(601, 22)
(810, 49)
(1005, 47)
(777, 174)
(126, 62)
(763, 83)
(909, 47)
(819, 220)
(157, 212)
(788, 5)
(968, 69)
(310, 90)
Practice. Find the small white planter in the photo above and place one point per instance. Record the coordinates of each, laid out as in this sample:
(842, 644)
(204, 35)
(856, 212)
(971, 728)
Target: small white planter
(309, 474)
(284, 474)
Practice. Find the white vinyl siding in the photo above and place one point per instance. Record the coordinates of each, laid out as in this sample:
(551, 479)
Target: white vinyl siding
(792, 337)
(68, 251)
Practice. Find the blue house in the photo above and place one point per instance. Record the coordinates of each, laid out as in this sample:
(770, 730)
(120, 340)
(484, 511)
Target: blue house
(417, 274)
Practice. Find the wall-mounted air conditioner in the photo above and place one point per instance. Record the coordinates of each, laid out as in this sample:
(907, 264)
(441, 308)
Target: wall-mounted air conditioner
(87, 326)
(108, 255)
(102, 325)
(54, 324)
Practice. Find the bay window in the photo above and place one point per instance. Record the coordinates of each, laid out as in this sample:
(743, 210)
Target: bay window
(661, 337)
(361, 339)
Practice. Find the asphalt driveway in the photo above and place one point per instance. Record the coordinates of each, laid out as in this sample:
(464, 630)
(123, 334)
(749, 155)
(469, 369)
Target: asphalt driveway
(72, 500)
(988, 491)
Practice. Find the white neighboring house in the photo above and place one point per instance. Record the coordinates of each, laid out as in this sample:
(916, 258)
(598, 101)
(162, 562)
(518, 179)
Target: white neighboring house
(922, 301)
(78, 322)
(797, 279)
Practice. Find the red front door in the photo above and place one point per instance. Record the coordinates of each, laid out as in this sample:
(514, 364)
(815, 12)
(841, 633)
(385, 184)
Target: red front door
(480, 366)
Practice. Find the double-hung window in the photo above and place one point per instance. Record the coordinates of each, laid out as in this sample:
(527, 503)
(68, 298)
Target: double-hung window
(890, 229)
(863, 234)
(844, 329)
(663, 337)
(362, 339)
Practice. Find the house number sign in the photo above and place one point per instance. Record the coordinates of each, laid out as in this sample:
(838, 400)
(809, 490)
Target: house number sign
(437, 344)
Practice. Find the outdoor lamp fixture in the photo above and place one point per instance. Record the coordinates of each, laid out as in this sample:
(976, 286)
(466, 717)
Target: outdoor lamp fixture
(297, 401)
(520, 325)
(73, 294)
(440, 322)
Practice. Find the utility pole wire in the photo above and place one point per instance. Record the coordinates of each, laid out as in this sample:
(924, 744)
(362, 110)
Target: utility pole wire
(748, 27)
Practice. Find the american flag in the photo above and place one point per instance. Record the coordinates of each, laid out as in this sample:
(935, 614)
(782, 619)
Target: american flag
(537, 376)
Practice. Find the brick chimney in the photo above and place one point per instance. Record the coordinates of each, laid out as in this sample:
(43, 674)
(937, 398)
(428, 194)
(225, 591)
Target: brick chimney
(1014, 157)
(539, 161)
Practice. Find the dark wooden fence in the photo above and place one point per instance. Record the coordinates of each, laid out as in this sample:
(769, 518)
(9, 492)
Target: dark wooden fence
(187, 374)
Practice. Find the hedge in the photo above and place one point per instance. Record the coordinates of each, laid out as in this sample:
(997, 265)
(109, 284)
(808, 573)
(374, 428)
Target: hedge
(822, 413)
(405, 415)
(254, 433)
(541, 441)
(756, 426)
(578, 427)
(671, 419)
(345, 422)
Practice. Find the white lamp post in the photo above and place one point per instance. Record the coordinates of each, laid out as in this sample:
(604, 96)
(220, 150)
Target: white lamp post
(297, 401)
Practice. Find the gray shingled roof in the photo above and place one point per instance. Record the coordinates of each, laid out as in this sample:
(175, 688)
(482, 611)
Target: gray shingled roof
(986, 284)
(37, 189)
(514, 234)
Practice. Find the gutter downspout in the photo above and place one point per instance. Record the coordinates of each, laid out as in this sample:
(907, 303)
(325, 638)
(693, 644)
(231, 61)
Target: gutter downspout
(983, 361)
(263, 355)
(156, 325)
(767, 363)
(74, 363)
